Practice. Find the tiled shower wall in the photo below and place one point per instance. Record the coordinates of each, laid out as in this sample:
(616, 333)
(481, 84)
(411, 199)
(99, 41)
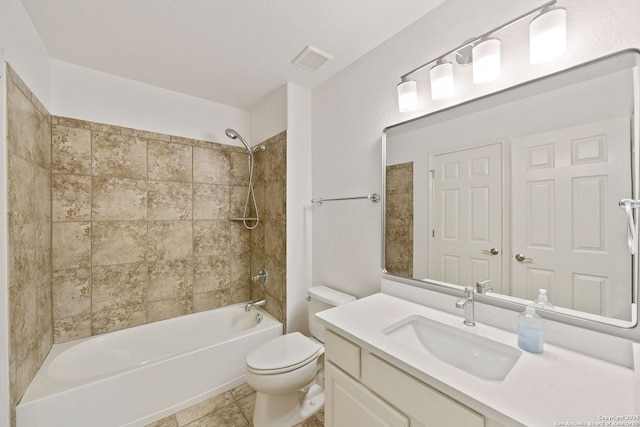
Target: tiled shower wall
(112, 227)
(398, 257)
(29, 239)
(141, 228)
(269, 239)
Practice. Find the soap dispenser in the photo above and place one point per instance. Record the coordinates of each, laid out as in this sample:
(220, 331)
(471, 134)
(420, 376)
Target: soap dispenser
(530, 331)
(543, 300)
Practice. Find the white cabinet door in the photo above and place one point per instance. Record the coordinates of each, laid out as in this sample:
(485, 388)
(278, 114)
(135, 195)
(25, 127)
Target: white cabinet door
(350, 404)
(427, 406)
(467, 216)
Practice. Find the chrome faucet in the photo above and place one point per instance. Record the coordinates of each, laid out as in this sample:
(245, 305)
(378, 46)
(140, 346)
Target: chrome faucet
(481, 286)
(255, 304)
(467, 304)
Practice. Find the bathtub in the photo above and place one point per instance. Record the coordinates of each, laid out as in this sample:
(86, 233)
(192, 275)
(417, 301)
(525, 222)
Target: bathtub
(135, 376)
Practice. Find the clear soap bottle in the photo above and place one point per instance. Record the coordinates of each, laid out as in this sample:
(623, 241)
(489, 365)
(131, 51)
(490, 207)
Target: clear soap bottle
(530, 331)
(543, 300)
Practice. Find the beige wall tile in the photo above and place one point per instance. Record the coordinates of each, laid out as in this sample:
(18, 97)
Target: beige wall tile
(71, 197)
(211, 201)
(71, 150)
(118, 242)
(275, 239)
(211, 237)
(42, 194)
(71, 292)
(119, 155)
(170, 240)
(169, 162)
(22, 126)
(43, 138)
(209, 300)
(20, 189)
(21, 255)
(155, 136)
(239, 174)
(26, 370)
(118, 199)
(268, 241)
(24, 321)
(211, 273)
(72, 328)
(275, 192)
(71, 245)
(170, 279)
(169, 308)
(72, 123)
(240, 294)
(211, 166)
(42, 245)
(170, 200)
(119, 285)
(237, 201)
(44, 313)
(118, 318)
(29, 235)
(240, 270)
(240, 239)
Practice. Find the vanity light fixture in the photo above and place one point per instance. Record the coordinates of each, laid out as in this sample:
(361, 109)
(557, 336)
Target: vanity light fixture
(407, 95)
(547, 41)
(441, 77)
(486, 61)
(548, 35)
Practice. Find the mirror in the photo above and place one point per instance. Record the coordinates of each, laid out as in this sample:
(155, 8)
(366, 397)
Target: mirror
(522, 188)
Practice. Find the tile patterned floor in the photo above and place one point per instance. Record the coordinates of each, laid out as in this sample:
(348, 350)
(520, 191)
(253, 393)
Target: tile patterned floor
(233, 408)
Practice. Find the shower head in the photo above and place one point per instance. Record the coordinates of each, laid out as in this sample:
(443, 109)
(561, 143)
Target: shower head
(235, 135)
(231, 133)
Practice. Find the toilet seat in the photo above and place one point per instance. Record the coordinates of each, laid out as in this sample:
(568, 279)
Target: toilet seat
(283, 354)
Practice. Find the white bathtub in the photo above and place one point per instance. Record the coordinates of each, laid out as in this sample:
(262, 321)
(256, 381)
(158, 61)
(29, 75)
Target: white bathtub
(135, 376)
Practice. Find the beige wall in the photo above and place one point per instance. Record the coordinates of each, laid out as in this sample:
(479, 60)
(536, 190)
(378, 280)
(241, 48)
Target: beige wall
(29, 240)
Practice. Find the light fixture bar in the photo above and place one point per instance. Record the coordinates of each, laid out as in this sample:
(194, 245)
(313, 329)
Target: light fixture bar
(483, 36)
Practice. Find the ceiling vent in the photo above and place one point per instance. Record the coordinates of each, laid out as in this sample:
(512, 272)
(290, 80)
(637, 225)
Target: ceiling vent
(311, 58)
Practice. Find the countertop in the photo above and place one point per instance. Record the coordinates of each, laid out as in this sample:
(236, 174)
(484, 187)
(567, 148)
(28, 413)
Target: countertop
(557, 387)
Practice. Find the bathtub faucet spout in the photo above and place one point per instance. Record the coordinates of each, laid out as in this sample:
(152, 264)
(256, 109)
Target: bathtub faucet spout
(254, 304)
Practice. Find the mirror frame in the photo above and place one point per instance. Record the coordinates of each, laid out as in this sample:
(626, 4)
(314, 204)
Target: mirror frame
(624, 329)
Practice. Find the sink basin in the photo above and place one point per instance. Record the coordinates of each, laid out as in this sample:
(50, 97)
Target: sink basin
(474, 354)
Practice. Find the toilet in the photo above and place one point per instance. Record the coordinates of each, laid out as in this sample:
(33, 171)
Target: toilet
(287, 372)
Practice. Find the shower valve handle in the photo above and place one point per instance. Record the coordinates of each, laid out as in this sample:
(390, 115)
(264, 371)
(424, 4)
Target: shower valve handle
(262, 276)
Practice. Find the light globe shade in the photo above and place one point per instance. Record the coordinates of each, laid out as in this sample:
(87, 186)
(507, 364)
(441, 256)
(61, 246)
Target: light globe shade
(441, 76)
(486, 61)
(548, 36)
(407, 95)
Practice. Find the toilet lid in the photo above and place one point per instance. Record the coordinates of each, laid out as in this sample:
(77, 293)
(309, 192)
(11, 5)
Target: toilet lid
(285, 351)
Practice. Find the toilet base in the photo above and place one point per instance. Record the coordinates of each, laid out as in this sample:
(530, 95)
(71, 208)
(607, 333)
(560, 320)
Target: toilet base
(287, 409)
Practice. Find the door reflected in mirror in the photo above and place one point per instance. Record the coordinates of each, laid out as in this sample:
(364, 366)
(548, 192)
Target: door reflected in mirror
(522, 188)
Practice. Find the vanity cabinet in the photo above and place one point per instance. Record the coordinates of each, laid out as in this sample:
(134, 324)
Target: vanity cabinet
(363, 390)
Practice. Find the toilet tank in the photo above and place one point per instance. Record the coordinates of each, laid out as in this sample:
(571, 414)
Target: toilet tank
(322, 298)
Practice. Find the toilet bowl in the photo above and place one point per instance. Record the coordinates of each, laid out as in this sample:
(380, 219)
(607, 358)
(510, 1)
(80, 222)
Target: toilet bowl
(287, 372)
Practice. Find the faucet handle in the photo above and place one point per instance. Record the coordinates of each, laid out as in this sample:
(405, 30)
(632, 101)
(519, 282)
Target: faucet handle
(468, 292)
(481, 286)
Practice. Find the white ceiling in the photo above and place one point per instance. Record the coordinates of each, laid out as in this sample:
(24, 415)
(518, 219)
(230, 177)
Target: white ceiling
(229, 51)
